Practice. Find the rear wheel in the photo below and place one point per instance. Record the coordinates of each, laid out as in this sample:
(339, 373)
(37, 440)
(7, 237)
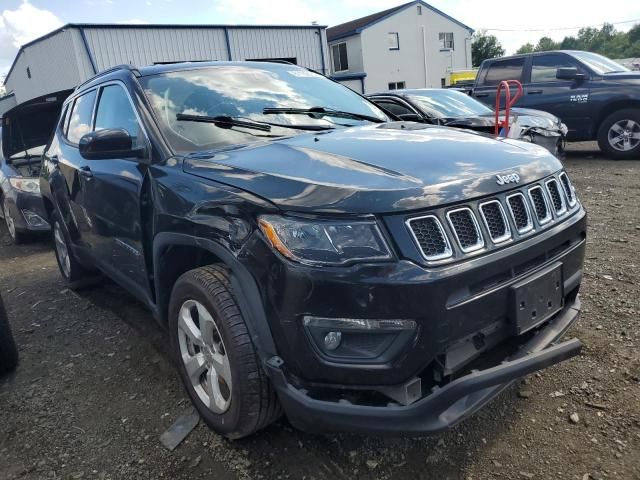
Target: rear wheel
(73, 273)
(8, 350)
(216, 357)
(619, 135)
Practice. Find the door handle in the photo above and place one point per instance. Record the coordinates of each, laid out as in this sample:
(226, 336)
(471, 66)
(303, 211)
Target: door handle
(479, 95)
(85, 172)
(534, 92)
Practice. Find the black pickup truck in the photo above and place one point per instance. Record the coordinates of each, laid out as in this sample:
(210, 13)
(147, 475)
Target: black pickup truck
(597, 98)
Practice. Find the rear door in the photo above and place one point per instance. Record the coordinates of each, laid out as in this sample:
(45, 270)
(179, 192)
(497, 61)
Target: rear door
(68, 187)
(488, 79)
(567, 99)
(114, 195)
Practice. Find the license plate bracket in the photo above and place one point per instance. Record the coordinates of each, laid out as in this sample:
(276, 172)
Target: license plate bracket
(536, 298)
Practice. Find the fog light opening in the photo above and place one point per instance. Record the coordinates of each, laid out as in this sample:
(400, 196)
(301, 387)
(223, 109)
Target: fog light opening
(33, 219)
(332, 340)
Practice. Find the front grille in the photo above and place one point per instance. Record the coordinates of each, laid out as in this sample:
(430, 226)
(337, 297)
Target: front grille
(556, 197)
(568, 189)
(430, 237)
(520, 212)
(466, 229)
(544, 200)
(496, 221)
(540, 204)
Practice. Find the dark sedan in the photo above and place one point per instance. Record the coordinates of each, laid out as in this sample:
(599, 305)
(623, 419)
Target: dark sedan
(453, 108)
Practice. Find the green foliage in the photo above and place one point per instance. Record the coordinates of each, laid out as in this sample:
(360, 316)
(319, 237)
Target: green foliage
(605, 40)
(485, 46)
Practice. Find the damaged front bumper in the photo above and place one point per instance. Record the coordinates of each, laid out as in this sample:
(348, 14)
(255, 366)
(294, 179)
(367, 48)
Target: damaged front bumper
(442, 408)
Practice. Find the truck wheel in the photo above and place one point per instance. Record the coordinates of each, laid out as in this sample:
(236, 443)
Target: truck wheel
(16, 237)
(73, 273)
(8, 350)
(619, 134)
(216, 358)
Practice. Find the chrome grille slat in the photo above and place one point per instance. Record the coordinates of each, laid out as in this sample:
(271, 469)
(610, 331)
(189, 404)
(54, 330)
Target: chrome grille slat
(540, 204)
(520, 213)
(557, 200)
(496, 221)
(429, 234)
(568, 190)
(465, 227)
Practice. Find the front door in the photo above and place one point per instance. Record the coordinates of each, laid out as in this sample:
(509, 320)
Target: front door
(566, 99)
(114, 196)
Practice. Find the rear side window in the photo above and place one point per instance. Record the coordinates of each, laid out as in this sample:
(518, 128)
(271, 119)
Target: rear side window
(115, 111)
(80, 119)
(510, 69)
(393, 107)
(544, 67)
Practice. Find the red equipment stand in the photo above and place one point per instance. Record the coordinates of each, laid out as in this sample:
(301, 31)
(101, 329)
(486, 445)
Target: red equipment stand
(509, 102)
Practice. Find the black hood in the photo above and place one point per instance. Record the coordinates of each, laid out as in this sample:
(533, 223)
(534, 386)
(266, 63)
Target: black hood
(374, 169)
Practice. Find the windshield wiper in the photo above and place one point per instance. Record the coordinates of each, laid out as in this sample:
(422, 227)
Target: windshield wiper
(320, 112)
(228, 122)
(223, 121)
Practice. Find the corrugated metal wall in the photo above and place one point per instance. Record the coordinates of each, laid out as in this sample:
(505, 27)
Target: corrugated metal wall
(146, 46)
(53, 65)
(60, 61)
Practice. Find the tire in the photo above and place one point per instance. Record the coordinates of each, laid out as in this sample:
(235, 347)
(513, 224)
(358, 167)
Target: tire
(624, 125)
(8, 350)
(72, 272)
(245, 401)
(16, 237)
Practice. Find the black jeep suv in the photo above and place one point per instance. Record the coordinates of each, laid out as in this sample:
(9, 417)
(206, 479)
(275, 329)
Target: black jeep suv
(306, 253)
(597, 98)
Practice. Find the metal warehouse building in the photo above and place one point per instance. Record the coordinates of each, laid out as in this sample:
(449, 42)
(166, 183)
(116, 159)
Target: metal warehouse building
(62, 59)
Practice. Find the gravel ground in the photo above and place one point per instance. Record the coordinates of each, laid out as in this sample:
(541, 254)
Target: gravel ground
(95, 387)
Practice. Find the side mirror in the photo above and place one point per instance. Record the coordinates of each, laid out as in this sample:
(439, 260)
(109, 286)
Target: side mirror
(569, 73)
(108, 144)
(410, 117)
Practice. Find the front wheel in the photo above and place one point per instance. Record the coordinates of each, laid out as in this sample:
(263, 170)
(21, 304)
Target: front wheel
(16, 236)
(216, 358)
(73, 273)
(619, 135)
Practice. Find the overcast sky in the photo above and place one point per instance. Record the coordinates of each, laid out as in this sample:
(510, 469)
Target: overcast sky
(22, 21)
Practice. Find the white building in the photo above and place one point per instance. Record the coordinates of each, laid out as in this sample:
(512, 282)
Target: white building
(410, 46)
(66, 57)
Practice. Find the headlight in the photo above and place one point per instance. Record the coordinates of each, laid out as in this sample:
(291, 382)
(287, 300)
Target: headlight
(29, 185)
(320, 242)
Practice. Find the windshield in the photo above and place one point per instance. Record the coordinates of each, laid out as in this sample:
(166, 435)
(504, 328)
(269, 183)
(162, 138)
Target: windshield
(448, 104)
(599, 64)
(240, 94)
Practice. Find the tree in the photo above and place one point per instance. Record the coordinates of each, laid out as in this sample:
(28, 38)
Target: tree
(485, 46)
(546, 44)
(526, 48)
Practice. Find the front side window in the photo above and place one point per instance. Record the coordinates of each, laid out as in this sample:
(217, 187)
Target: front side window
(394, 107)
(80, 118)
(115, 111)
(545, 67)
(340, 60)
(446, 40)
(394, 41)
(448, 104)
(254, 95)
(510, 69)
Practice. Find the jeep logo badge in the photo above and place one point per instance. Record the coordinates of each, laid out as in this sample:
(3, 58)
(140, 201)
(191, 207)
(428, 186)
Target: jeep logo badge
(511, 178)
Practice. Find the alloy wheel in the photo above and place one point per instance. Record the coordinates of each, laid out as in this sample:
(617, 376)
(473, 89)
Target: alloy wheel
(62, 250)
(624, 135)
(204, 356)
(11, 225)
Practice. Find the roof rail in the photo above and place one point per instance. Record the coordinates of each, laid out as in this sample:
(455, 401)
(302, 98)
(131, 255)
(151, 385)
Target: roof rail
(131, 68)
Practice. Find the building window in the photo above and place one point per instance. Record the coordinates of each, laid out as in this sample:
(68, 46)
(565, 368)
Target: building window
(28, 72)
(396, 85)
(446, 40)
(443, 82)
(419, 9)
(394, 41)
(339, 54)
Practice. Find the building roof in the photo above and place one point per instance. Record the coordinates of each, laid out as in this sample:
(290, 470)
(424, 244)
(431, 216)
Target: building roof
(82, 26)
(356, 26)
